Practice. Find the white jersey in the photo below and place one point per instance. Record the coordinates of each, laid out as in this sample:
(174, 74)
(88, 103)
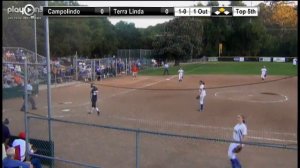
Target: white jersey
(202, 91)
(180, 71)
(239, 131)
(263, 71)
(180, 74)
(22, 144)
(295, 61)
(166, 66)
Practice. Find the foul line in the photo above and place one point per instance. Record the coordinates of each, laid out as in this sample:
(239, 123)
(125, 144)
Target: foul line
(134, 89)
(193, 125)
(271, 139)
(190, 125)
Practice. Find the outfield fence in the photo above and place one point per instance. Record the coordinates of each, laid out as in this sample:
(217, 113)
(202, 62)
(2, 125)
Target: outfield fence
(243, 59)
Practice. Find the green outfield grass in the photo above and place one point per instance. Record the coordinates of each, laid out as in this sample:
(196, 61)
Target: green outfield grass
(241, 68)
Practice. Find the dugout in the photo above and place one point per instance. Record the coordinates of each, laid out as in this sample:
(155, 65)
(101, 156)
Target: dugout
(18, 91)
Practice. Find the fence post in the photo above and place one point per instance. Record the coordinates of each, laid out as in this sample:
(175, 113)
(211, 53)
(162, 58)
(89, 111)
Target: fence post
(49, 104)
(126, 67)
(26, 103)
(137, 149)
(93, 69)
(100, 77)
(116, 66)
(76, 68)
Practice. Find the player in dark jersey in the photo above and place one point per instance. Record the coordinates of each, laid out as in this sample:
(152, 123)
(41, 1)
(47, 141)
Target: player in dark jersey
(94, 93)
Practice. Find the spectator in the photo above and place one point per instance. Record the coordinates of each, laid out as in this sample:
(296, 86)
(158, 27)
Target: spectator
(8, 77)
(22, 143)
(9, 161)
(3, 152)
(5, 133)
(19, 55)
(18, 68)
(6, 84)
(98, 73)
(89, 73)
(45, 70)
(18, 79)
(72, 70)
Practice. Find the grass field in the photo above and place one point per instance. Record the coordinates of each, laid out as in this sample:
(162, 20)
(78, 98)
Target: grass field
(238, 68)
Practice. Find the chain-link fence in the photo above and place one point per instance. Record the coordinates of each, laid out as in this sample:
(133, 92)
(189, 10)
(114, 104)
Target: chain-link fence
(142, 57)
(96, 145)
(99, 69)
(23, 38)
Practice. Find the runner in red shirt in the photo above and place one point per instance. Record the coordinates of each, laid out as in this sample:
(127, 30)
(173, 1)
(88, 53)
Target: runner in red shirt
(134, 70)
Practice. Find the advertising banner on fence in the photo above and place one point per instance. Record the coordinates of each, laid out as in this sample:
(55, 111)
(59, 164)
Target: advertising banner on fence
(239, 59)
(278, 59)
(264, 59)
(212, 59)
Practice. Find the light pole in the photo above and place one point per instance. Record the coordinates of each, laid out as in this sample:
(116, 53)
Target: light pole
(35, 50)
(35, 40)
(250, 17)
(49, 103)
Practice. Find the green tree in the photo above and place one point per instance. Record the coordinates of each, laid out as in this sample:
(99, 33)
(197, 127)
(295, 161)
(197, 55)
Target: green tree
(175, 43)
(128, 35)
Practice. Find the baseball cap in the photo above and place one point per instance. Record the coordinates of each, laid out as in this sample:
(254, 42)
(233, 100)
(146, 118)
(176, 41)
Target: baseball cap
(22, 135)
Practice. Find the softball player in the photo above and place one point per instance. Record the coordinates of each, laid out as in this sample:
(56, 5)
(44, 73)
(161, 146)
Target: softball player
(202, 94)
(263, 73)
(93, 94)
(180, 74)
(134, 71)
(239, 134)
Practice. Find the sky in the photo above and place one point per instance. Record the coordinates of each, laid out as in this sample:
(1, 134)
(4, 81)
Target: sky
(144, 22)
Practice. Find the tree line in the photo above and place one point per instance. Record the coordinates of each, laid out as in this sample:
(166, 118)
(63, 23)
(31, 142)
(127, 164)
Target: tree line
(272, 33)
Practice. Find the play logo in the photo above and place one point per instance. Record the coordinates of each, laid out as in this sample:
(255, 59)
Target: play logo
(27, 10)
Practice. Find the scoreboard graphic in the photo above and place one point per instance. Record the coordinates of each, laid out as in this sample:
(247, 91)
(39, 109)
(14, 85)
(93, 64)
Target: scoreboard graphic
(214, 11)
(221, 11)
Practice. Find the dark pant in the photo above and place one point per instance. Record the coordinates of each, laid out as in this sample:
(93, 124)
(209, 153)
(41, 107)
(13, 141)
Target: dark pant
(94, 101)
(31, 100)
(235, 163)
(166, 71)
(36, 162)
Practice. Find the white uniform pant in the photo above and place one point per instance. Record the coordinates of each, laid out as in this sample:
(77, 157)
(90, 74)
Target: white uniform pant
(201, 100)
(180, 76)
(231, 154)
(263, 75)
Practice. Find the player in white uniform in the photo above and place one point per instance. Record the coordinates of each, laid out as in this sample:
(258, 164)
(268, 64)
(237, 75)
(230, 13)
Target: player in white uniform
(202, 94)
(295, 61)
(180, 75)
(263, 73)
(239, 134)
